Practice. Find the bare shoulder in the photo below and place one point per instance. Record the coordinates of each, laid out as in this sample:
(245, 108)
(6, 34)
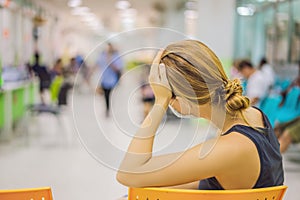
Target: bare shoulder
(234, 148)
(254, 117)
(236, 142)
(242, 163)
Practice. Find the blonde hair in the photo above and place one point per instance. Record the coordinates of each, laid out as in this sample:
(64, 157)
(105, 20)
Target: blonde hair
(193, 62)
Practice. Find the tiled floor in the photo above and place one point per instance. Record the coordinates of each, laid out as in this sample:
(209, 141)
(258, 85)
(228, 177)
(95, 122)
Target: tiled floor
(79, 162)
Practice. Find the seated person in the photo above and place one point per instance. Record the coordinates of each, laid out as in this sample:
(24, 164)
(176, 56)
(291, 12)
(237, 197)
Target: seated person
(257, 86)
(188, 76)
(268, 72)
(289, 132)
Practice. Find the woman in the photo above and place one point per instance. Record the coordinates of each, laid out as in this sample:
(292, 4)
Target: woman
(245, 156)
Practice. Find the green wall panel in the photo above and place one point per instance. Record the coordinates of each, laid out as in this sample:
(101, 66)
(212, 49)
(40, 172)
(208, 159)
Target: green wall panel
(18, 107)
(32, 93)
(2, 115)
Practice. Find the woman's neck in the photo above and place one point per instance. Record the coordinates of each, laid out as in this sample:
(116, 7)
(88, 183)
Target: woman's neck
(219, 117)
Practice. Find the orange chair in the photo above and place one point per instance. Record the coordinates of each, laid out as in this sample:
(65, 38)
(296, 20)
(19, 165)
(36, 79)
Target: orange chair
(270, 193)
(27, 194)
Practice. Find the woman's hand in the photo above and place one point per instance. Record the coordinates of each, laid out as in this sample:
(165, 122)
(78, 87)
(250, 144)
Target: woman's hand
(159, 82)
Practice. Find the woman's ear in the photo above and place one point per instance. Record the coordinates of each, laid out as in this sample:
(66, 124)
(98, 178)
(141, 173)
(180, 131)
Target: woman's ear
(177, 100)
(182, 105)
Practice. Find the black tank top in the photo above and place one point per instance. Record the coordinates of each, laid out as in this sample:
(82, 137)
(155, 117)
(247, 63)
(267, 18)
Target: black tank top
(271, 171)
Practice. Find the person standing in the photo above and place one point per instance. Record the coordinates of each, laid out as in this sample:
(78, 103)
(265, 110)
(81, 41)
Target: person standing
(111, 66)
(43, 74)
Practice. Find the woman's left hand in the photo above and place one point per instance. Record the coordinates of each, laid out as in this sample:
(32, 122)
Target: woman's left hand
(159, 82)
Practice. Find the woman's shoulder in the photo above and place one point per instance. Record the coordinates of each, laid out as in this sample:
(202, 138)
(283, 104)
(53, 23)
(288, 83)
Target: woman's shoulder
(236, 140)
(255, 117)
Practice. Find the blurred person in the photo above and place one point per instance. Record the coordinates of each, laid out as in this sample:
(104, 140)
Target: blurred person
(66, 85)
(44, 76)
(56, 79)
(79, 59)
(257, 87)
(110, 65)
(294, 83)
(246, 155)
(234, 71)
(29, 70)
(57, 69)
(267, 71)
(85, 73)
(147, 93)
(83, 70)
(73, 66)
(289, 132)
(66, 82)
(147, 98)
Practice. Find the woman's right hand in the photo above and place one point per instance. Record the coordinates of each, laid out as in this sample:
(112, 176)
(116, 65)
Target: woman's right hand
(159, 82)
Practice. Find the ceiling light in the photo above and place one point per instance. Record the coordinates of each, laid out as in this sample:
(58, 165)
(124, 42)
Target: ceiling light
(74, 3)
(245, 10)
(122, 5)
(80, 10)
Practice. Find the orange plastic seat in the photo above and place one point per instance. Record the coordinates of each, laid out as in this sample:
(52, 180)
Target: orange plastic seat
(27, 194)
(270, 193)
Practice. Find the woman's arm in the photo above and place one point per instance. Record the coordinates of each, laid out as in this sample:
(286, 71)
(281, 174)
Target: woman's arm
(192, 186)
(140, 148)
(233, 156)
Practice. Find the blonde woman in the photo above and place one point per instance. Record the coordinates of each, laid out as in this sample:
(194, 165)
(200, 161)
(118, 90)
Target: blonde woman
(189, 77)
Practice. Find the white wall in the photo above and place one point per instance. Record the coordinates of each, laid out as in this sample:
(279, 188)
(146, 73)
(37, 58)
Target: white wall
(64, 37)
(216, 26)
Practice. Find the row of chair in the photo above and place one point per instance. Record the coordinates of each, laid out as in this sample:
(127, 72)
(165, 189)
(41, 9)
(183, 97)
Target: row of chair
(271, 193)
(284, 113)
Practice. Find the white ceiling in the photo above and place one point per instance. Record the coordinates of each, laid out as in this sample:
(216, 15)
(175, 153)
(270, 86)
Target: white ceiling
(148, 12)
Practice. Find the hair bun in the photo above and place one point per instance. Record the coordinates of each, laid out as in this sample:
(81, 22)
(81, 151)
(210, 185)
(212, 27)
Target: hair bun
(235, 101)
(232, 88)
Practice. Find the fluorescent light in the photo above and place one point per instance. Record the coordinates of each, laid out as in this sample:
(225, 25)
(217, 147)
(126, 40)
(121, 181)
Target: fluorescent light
(80, 10)
(246, 10)
(74, 3)
(122, 5)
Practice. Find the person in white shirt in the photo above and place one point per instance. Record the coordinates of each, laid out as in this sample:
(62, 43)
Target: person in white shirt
(267, 70)
(257, 84)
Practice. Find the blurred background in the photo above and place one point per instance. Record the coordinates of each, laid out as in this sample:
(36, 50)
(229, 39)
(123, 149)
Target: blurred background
(66, 118)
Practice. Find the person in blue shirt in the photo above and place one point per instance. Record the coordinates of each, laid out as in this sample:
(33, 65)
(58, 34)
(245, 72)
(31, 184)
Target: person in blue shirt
(111, 65)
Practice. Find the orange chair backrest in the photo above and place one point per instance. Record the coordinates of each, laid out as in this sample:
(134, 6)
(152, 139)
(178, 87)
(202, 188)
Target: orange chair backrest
(27, 194)
(271, 193)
